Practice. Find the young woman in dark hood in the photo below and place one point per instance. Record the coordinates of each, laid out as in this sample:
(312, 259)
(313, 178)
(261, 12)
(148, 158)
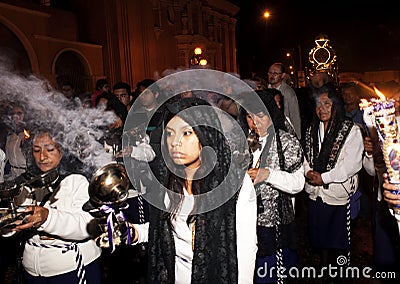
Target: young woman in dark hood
(203, 227)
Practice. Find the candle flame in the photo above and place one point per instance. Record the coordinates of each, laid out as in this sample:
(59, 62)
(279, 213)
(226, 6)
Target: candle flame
(27, 134)
(380, 94)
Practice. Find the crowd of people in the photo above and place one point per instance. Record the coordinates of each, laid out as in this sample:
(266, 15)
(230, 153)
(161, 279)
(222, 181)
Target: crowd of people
(176, 231)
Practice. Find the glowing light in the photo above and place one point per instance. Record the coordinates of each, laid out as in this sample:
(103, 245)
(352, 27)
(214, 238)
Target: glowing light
(27, 134)
(203, 62)
(364, 103)
(198, 58)
(322, 56)
(380, 94)
(266, 14)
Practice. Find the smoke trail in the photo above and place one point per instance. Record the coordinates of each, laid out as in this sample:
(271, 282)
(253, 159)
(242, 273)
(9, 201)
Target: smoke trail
(76, 130)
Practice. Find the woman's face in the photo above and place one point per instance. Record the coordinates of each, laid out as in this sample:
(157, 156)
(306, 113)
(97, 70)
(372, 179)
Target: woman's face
(324, 108)
(183, 144)
(259, 122)
(46, 153)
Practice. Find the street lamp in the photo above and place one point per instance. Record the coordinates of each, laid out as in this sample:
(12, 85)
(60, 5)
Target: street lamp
(266, 15)
(198, 51)
(203, 62)
(197, 58)
(290, 59)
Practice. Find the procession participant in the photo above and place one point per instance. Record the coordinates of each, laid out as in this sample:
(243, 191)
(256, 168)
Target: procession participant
(59, 248)
(210, 246)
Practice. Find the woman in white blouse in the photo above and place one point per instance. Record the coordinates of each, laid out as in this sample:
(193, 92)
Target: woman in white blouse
(334, 151)
(59, 248)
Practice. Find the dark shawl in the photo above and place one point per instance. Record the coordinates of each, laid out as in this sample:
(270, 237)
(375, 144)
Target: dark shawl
(325, 159)
(215, 253)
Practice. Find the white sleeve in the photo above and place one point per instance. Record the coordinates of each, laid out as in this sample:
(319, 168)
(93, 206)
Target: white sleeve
(143, 152)
(68, 220)
(143, 233)
(246, 231)
(291, 183)
(350, 158)
(306, 166)
(369, 165)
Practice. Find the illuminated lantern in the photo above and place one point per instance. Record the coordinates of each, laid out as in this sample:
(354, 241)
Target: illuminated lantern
(323, 57)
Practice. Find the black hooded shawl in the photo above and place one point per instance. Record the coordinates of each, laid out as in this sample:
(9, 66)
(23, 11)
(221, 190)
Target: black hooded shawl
(215, 250)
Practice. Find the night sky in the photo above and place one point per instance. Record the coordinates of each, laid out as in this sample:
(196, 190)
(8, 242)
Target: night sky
(365, 36)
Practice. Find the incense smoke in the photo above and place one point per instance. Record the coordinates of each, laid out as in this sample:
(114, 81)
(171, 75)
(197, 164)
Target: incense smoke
(77, 130)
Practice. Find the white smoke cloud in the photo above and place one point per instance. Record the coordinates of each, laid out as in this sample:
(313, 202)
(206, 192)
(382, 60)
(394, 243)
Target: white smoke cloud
(77, 130)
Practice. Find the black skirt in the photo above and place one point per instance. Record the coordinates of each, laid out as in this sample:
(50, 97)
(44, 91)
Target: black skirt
(327, 225)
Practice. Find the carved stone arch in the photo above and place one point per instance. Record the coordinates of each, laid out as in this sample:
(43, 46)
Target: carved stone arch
(12, 38)
(72, 66)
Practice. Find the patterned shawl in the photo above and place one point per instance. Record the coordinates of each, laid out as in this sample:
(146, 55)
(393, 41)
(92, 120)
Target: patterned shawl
(325, 159)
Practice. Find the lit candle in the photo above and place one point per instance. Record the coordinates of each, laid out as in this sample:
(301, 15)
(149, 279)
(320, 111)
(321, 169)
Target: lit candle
(381, 113)
(26, 134)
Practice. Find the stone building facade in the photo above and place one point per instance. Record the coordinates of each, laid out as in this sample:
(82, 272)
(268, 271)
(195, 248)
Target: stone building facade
(121, 40)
